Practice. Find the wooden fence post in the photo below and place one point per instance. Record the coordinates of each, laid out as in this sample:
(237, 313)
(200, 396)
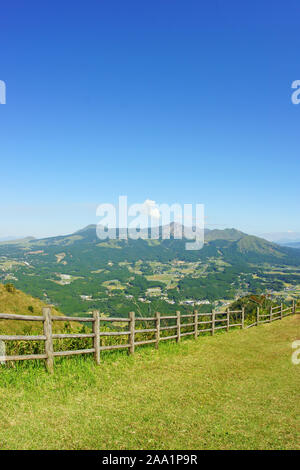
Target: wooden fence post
(131, 329)
(196, 324)
(294, 307)
(178, 327)
(271, 313)
(281, 311)
(257, 316)
(47, 322)
(213, 323)
(243, 318)
(228, 320)
(96, 331)
(157, 333)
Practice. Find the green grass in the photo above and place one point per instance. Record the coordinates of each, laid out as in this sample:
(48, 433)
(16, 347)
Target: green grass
(238, 390)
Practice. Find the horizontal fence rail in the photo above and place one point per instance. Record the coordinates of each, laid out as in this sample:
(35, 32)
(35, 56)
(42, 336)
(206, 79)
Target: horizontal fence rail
(197, 323)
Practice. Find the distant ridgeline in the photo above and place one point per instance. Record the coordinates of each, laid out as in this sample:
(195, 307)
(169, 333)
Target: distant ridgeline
(80, 273)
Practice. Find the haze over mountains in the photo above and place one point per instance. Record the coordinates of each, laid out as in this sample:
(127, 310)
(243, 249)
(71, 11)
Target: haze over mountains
(295, 245)
(7, 239)
(283, 238)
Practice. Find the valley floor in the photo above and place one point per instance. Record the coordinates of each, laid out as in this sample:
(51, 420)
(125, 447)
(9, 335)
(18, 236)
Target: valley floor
(238, 390)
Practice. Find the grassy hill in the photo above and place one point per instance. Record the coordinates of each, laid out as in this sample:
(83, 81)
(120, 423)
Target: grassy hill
(232, 391)
(19, 303)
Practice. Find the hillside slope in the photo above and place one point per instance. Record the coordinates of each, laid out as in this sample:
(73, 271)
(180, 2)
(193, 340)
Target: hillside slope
(232, 391)
(21, 304)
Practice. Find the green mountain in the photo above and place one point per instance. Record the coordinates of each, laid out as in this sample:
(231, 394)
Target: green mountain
(79, 272)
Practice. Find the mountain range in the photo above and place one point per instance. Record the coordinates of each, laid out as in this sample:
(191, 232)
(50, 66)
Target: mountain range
(80, 272)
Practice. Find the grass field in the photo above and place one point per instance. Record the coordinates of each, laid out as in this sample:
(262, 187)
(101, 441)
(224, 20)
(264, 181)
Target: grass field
(232, 391)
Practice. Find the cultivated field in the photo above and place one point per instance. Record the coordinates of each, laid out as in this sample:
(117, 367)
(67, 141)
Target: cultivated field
(232, 391)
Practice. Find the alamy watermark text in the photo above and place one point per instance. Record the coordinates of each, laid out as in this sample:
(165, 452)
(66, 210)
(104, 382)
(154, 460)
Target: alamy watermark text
(149, 220)
(296, 93)
(2, 92)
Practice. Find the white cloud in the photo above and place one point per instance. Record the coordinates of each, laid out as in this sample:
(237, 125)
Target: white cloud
(150, 208)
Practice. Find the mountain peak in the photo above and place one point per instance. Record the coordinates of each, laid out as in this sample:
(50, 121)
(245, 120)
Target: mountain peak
(230, 234)
(86, 229)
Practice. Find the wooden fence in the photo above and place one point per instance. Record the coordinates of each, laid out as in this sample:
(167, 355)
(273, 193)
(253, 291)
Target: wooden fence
(196, 323)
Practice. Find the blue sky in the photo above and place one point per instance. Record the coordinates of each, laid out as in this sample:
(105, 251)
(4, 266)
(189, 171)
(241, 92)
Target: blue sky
(173, 101)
